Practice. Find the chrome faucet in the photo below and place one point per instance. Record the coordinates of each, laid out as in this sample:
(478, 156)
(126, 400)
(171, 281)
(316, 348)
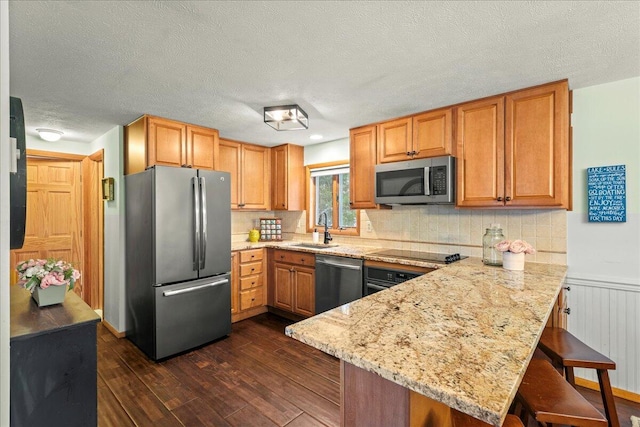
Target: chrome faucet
(327, 235)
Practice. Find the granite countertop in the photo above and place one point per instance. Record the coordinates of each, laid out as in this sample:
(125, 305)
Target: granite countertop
(462, 335)
(349, 251)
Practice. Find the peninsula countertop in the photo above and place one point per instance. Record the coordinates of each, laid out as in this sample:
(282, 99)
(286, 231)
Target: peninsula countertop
(462, 335)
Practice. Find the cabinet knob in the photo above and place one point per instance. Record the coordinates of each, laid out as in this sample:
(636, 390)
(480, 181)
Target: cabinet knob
(252, 269)
(568, 288)
(408, 153)
(184, 165)
(508, 199)
(499, 199)
(567, 310)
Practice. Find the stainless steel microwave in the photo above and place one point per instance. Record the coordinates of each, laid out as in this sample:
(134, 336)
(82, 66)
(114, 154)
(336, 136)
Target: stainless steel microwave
(416, 182)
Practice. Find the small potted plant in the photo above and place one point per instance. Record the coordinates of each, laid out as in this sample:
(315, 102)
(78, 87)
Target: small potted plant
(47, 279)
(513, 253)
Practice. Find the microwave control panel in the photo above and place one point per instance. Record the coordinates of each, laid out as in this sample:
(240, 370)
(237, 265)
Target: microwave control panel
(438, 180)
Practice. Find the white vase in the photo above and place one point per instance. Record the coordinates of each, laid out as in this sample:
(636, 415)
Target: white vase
(511, 261)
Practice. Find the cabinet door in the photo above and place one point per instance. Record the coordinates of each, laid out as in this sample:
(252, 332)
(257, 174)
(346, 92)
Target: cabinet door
(537, 147)
(287, 177)
(166, 142)
(394, 140)
(229, 154)
(256, 178)
(362, 167)
(432, 134)
(283, 286)
(480, 153)
(305, 291)
(235, 283)
(202, 147)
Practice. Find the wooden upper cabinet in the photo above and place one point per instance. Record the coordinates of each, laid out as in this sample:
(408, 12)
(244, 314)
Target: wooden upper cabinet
(150, 141)
(362, 163)
(255, 183)
(166, 142)
(230, 157)
(249, 167)
(395, 140)
(513, 150)
(428, 134)
(432, 134)
(480, 153)
(287, 177)
(537, 146)
(202, 147)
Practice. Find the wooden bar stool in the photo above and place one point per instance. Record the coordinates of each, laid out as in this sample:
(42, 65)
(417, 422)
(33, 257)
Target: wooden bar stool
(552, 400)
(568, 352)
(466, 421)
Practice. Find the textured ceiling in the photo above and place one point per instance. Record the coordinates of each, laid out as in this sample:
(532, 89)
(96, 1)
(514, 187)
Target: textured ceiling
(84, 67)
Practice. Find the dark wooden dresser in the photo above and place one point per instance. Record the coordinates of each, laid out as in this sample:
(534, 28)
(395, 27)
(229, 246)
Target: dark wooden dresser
(53, 362)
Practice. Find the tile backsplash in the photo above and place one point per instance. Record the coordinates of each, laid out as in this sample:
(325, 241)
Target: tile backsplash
(434, 229)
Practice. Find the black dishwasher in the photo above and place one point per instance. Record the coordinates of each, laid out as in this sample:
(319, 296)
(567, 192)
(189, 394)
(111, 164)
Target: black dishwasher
(338, 281)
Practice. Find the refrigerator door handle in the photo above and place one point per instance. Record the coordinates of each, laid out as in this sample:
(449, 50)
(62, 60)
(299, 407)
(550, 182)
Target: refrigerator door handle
(194, 288)
(196, 223)
(203, 212)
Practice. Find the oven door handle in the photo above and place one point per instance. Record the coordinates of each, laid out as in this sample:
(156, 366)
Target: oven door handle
(377, 287)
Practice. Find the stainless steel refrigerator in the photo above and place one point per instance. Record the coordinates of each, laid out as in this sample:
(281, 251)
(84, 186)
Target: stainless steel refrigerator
(178, 258)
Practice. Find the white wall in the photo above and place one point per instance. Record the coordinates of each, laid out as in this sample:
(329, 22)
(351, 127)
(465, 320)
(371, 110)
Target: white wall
(604, 258)
(114, 247)
(326, 152)
(4, 213)
(61, 146)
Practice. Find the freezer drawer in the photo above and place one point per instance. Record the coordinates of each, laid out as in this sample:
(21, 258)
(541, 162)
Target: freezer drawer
(191, 314)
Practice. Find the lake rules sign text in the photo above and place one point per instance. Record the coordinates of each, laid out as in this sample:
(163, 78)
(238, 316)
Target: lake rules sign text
(607, 194)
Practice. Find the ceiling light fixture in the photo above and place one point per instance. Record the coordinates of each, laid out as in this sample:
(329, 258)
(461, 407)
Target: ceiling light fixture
(49, 134)
(286, 117)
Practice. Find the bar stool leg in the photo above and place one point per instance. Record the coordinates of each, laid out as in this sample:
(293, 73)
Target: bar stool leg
(607, 398)
(571, 379)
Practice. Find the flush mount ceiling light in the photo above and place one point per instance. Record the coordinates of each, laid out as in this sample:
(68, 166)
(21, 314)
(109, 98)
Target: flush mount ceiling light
(286, 117)
(49, 134)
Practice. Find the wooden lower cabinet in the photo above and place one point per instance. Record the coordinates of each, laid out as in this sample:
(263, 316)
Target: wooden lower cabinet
(293, 282)
(248, 290)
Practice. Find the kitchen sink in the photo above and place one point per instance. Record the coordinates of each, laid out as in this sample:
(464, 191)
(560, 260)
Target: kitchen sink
(313, 245)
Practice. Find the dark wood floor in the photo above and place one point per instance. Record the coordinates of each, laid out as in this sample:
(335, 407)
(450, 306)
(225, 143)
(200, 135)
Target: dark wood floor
(256, 377)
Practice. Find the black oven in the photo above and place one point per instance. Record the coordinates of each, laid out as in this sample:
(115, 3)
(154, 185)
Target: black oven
(378, 279)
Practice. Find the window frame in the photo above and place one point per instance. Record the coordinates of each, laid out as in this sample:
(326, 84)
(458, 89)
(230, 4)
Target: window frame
(310, 203)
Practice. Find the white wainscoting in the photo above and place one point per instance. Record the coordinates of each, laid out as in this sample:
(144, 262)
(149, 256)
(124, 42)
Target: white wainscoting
(606, 316)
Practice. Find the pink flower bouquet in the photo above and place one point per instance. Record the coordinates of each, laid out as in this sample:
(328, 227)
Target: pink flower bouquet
(516, 247)
(45, 273)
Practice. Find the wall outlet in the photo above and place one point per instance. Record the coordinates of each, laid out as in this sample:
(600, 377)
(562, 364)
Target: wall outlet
(369, 228)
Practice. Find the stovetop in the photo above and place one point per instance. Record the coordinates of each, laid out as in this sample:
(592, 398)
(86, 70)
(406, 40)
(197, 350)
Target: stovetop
(421, 256)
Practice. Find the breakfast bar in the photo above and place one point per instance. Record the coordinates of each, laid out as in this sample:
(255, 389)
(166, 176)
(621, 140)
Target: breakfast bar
(459, 338)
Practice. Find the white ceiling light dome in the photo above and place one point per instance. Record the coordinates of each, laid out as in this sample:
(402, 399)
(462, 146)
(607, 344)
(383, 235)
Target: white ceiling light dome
(50, 135)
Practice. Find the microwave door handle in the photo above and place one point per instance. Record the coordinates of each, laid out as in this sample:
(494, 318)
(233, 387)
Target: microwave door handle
(427, 183)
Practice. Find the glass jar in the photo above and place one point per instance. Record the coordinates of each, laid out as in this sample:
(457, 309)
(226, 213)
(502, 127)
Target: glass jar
(492, 235)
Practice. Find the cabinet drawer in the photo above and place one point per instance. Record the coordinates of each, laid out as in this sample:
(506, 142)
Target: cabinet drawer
(294, 257)
(251, 282)
(251, 298)
(250, 268)
(251, 255)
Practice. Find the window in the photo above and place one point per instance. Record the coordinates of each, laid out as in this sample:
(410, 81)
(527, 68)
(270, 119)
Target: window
(329, 194)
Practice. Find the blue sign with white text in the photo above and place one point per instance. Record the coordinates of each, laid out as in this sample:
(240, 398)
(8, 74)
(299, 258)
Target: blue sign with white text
(607, 191)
